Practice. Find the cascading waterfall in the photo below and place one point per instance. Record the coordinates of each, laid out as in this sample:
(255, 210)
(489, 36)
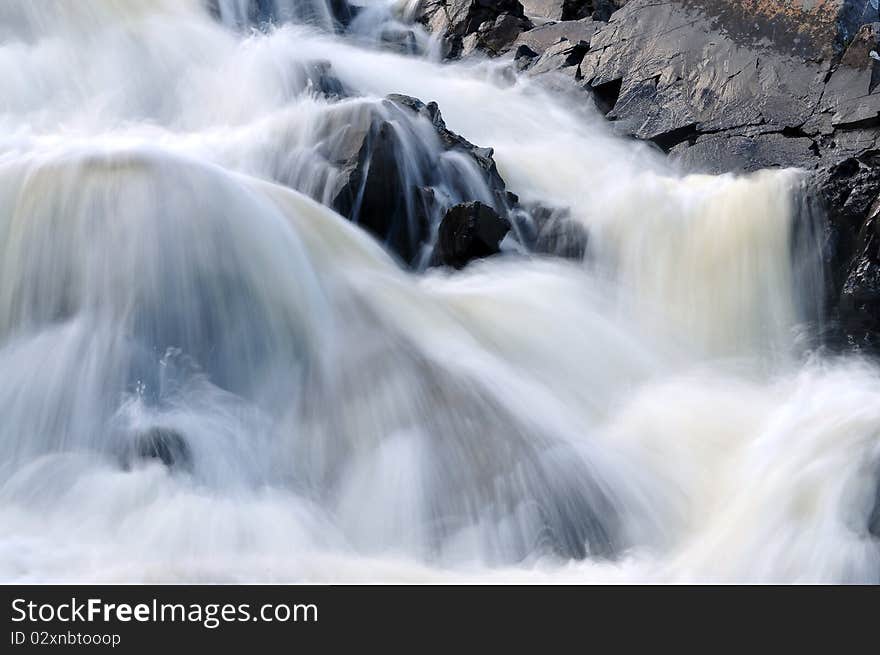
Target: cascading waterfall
(206, 375)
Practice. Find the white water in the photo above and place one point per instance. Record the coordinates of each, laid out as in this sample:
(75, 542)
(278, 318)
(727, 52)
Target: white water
(652, 408)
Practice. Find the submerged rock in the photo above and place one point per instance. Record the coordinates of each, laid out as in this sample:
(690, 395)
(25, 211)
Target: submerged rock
(467, 232)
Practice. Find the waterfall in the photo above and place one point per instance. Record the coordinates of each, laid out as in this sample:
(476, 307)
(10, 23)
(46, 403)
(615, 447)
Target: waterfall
(207, 374)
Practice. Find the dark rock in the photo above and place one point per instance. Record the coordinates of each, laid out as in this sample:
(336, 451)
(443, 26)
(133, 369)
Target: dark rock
(737, 85)
(163, 444)
(849, 192)
(564, 10)
(740, 150)
(397, 181)
(452, 142)
(374, 190)
(467, 232)
(524, 57)
(470, 25)
(541, 38)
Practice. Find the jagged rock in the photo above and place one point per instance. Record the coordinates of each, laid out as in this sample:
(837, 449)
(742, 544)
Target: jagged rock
(744, 150)
(565, 10)
(681, 69)
(523, 57)
(467, 232)
(394, 181)
(541, 38)
(849, 96)
(469, 25)
(849, 193)
(736, 85)
(482, 157)
(563, 55)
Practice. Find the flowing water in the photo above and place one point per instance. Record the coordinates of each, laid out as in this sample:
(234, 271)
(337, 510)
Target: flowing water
(657, 412)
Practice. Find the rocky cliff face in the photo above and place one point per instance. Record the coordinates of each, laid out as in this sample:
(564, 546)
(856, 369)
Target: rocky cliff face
(738, 85)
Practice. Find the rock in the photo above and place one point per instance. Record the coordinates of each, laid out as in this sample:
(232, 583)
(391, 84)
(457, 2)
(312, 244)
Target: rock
(737, 85)
(740, 150)
(524, 57)
(563, 55)
(849, 192)
(541, 38)
(396, 180)
(163, 444)
(565, 10)
(373, 191)
(544, 10)
(849, 97)
(676, 70)
(467, 232)
(452, 142)
(470, 25)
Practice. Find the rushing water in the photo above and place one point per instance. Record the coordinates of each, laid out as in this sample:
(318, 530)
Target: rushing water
(657, 412)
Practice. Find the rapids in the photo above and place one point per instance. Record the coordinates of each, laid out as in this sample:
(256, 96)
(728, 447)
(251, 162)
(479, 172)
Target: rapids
(662, 411)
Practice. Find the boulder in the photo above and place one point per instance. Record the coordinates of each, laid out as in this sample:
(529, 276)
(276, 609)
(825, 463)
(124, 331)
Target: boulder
(397, 176)
(467, 232)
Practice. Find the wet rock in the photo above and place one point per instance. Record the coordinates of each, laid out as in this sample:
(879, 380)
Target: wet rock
(163, 444)
(373, 191)
(467, 232)
(470, 25)
(452, 142)
(397, 181)
(849, 192)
